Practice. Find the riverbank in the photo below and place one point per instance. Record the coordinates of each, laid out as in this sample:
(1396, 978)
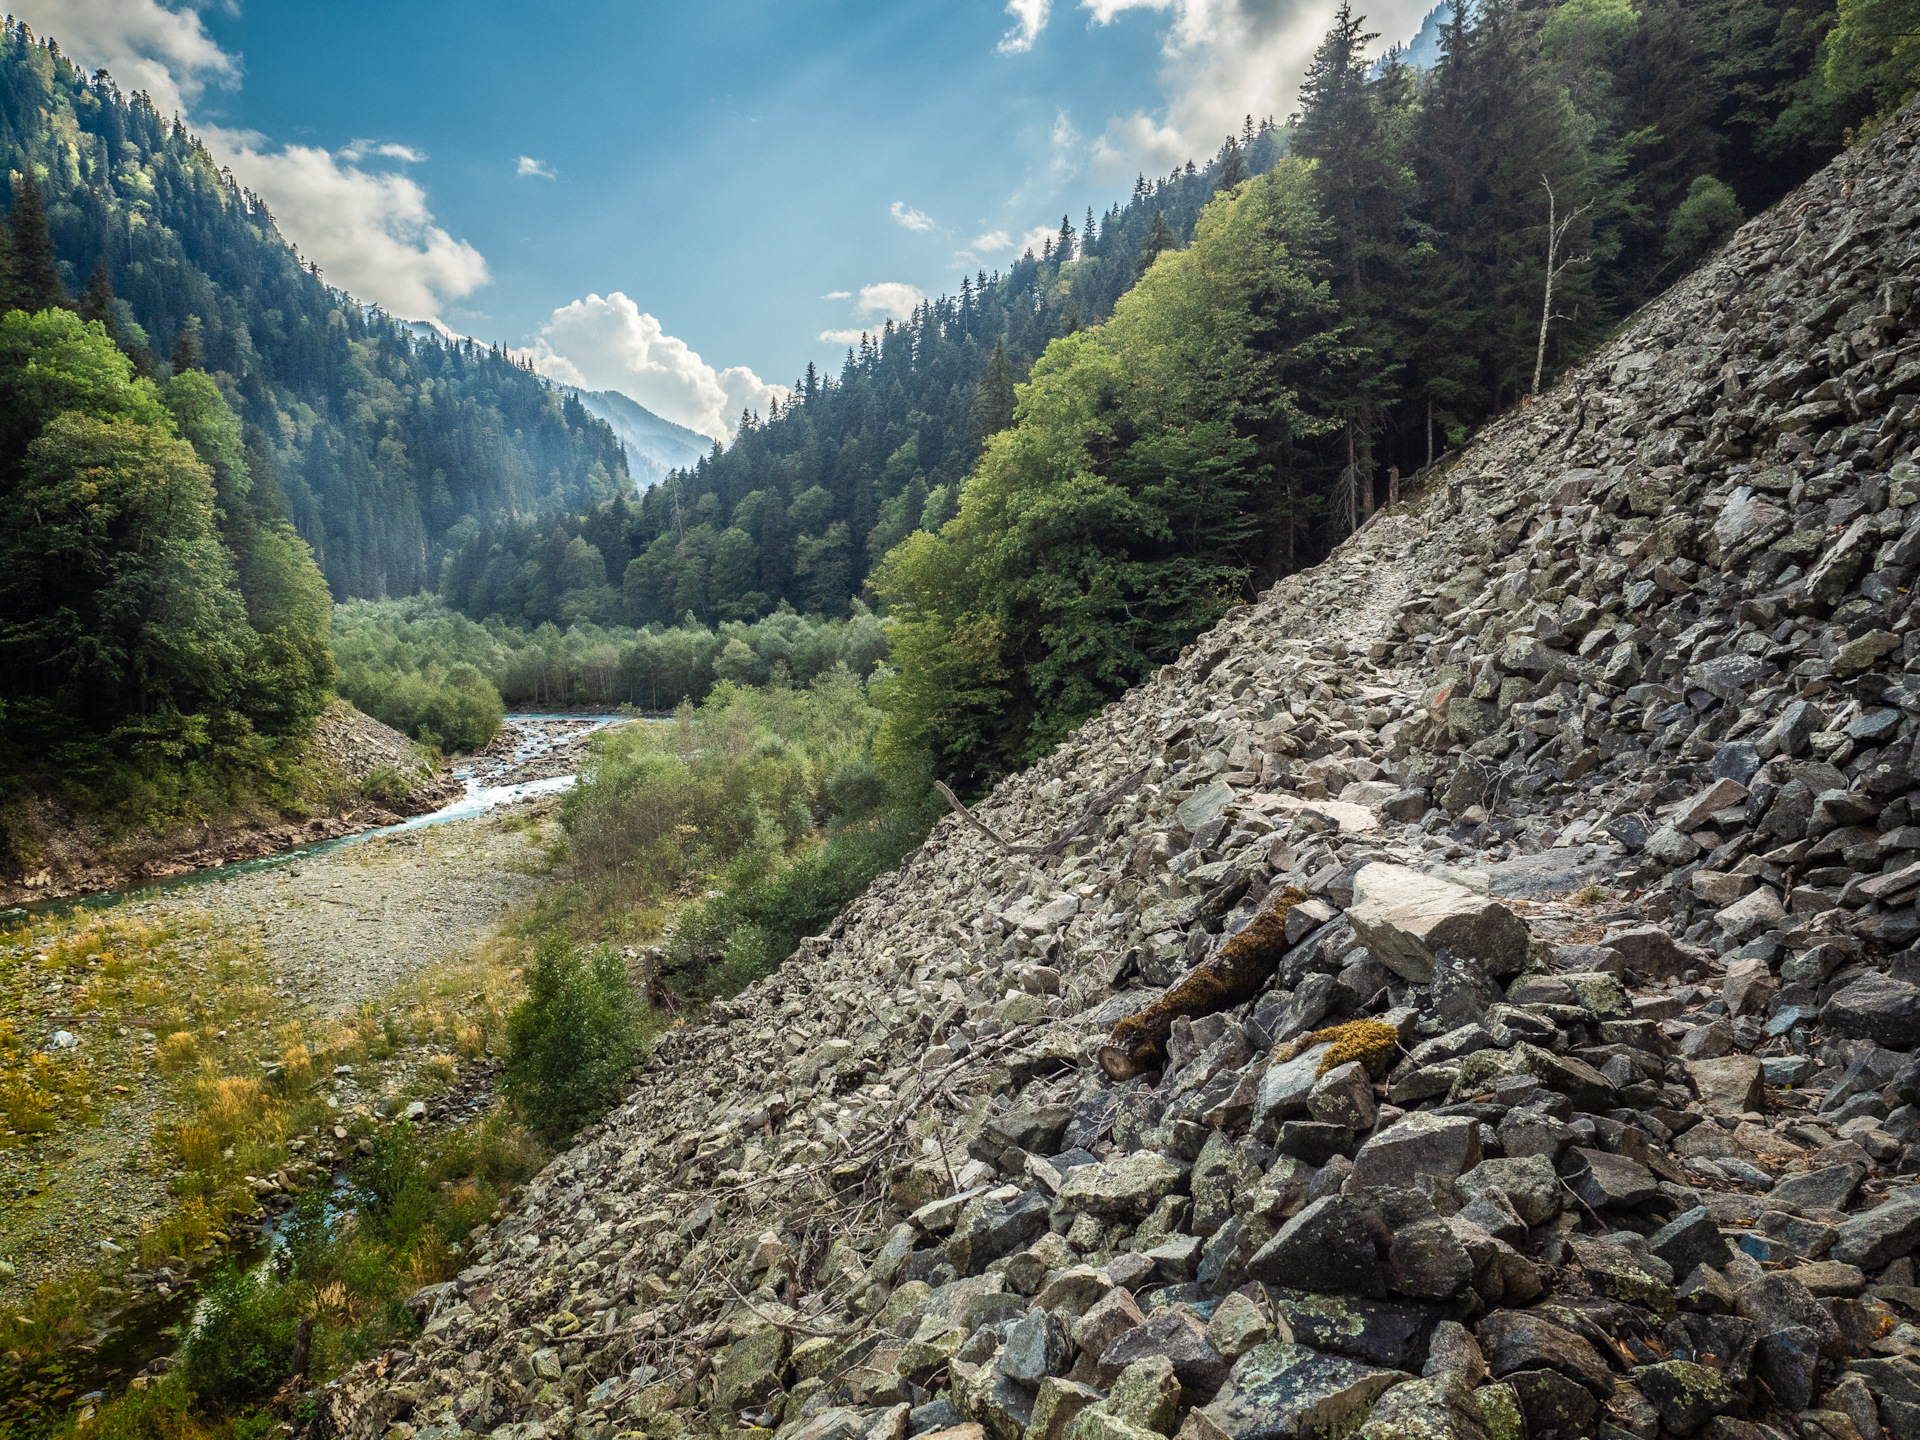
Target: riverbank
(358, 775)
(195, 1052)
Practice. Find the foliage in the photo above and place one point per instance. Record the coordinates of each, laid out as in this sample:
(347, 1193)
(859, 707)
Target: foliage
(571, 1046)
(383, 438)
(399, 658)
(162, 631)
(242, 1348)
(1154, 471)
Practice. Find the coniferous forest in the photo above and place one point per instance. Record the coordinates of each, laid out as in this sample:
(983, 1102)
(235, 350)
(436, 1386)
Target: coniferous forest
(1045, 484)
(381, 440)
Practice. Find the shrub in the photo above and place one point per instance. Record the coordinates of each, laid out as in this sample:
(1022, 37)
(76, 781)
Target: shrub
(574, 1040)
(243, 1348)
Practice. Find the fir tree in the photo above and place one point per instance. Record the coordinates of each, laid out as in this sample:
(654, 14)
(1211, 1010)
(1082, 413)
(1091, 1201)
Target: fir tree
(36, 277)
(97, 304)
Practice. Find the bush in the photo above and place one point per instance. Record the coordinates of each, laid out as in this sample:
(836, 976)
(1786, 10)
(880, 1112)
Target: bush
(243, 1348)
(572, 1043)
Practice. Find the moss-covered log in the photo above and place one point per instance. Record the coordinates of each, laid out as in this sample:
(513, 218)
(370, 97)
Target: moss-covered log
(1244, 964)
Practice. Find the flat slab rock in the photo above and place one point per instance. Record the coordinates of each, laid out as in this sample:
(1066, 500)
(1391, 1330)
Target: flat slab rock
(1279, 1391)
(1403, 917)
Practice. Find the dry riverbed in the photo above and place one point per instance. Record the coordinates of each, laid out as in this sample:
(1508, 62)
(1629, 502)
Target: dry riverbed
(159, 1059)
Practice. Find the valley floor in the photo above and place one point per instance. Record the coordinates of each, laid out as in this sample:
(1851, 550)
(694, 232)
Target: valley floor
(378, 943)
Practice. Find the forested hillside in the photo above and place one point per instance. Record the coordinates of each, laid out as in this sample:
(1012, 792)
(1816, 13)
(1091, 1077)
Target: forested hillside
(1644, 132)
(382, 440)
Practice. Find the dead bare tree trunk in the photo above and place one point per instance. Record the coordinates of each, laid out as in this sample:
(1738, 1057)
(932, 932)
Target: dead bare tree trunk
(1556, 233)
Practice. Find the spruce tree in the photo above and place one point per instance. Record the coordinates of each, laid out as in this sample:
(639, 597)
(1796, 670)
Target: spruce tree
(97, 303)
(1160, 238)
(186, 349)
(35, 278)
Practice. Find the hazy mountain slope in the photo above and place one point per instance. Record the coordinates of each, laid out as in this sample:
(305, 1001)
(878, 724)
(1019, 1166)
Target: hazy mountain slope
(654, 446)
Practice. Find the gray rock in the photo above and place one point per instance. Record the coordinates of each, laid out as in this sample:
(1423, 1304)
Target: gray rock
(1286, 1088)
(1037, 1347)
(1876, 1007)
(1753, 915)
(1687, 1395)
(1884, 1233)
(1428, 1262)
(1514, 1340)
(1691, 1238)
(1419, 1144)
(1176, 1335)
(1280, 1391)
(1124, 1187)
(1343, 1096)
(1608, 1182)
(1732, 1085)
(1832, 1187)
(1335, 1245)
(1439, 1407)
(1529, 1183)
(1403, 917)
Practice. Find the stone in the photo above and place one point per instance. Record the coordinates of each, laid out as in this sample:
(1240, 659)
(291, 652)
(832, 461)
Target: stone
(1147, 1394)
(1749, 987)
(1671, 847)
(1106, 1321)
(1334, 1244)
(1886, 1232)
(1178, 1336)
(1037, 1347)
(1055, 1405)
(1686, 1394)
(1439, 1407)
(751, 1372)
(1721, 795)
(989, 1231)
(1529, 1182)
(1419, 1144)
(1428, 1262)
(1876, 1007)
(1344, 1096)
(1731, 1085)
(1392, 1333)
(1616, 1271)
(1453, 1350)
(1553, 1404)
(1237, 1325)
(1753, 915)
(1649, 951)
(1777, 1301)
(1788, 1359)
(1831, 1187)
(1606, 1181)
(1514, 1340)
(1124, 1187)
(1286, 1088)
(1403, 917)
(1691, 1238)
(1279, 1391)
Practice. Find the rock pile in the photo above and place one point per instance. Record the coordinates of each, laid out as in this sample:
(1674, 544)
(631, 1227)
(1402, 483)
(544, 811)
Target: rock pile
(1575, 1100)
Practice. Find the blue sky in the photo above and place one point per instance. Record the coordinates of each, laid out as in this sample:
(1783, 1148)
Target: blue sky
(690, 202)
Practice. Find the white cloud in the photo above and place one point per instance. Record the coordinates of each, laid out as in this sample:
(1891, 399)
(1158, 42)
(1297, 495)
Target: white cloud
(146, 45)
(1035, 239)
(911, 218)
(1029, 19)
(1223, 61)
(370, 231)
(991, 243)
(527, 165)
(355, 151)
(844, 337)
(893, 298)
(838, 295)
(609, 343)
(1067, 145)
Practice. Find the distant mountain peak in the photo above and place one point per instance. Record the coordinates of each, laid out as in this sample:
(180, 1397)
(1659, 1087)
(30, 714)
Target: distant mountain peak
(654, 445)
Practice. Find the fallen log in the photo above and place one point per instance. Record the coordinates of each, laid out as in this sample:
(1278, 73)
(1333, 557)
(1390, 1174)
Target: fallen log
(1244, 964)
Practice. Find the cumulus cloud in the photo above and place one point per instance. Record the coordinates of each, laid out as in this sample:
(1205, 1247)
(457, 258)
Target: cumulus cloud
(911, 218)
(369, 229)
(1029, 19)
(991, 243)
(1223, 60)
(610, 343)
(527, 165)
(844, 337)
(371, 232)
(148, 46)
(895, 299)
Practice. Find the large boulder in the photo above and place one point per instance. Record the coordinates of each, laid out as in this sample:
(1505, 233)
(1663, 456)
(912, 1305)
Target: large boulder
(1731, 1085)
(1420, 1144)
(1403, 917)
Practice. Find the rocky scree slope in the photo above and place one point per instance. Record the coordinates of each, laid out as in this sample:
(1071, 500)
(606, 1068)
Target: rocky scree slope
(1588, 793)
